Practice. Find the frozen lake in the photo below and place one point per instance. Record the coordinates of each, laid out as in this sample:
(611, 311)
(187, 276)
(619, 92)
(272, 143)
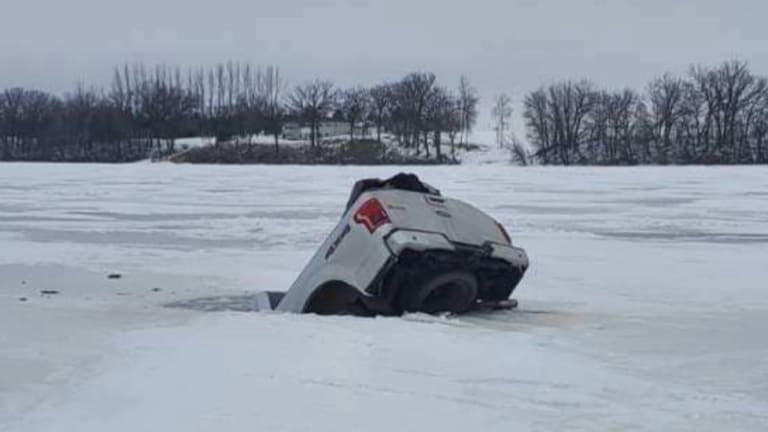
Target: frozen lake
(645, 307)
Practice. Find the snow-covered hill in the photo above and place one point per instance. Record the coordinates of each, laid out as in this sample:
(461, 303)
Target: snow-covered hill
(483, 151)
(488, 153)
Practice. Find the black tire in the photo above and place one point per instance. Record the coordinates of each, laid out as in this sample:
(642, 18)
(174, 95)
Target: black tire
(335, 298)
(453, 292)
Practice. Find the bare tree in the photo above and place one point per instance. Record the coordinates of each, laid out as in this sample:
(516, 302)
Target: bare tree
(539, 125)
(312, 101)
(556, 119)
(440, 110)
(270, 90)
(381, 103)
(412, 97)
(355, 104)
(502, 116)
(467, 103)
(666, 97)
(570, 103)
(758, 130)
(454, 125)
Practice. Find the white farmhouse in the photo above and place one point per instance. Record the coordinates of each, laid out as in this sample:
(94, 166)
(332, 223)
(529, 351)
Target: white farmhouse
(333, 125)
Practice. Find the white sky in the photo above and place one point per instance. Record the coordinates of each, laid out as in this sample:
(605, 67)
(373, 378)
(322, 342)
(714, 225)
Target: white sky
(502, 45)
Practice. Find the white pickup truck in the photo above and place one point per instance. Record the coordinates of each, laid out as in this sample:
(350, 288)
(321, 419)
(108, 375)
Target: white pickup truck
(402, 247)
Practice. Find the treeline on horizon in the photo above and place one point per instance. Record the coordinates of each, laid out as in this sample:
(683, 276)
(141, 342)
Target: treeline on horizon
(711, 115)
(146, 108)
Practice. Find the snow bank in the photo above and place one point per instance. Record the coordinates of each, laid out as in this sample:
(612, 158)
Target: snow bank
(194, 142)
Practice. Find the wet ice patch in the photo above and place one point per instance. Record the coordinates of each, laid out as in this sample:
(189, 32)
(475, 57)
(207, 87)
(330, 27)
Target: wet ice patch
(225, 303)
(687, 236)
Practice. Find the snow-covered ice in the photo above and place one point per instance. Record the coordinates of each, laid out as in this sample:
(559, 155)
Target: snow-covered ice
(645, 307)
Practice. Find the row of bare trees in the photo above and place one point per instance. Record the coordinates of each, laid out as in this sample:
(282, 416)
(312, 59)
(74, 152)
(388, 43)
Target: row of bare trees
(416, 111)
(712, 115)
(419, 112)
(146, 108)
(143, 108)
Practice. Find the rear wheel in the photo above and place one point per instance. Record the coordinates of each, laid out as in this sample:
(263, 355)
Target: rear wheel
(453, 292)
(336, 298)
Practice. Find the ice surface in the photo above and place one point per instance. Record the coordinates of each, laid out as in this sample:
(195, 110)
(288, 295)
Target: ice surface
(645, 307)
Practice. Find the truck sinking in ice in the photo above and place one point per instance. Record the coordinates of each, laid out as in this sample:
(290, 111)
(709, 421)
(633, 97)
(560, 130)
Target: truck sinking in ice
(402, 247)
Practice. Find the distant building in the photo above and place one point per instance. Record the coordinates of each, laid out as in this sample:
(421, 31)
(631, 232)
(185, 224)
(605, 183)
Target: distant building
(332, 128)
(326, 129)
(193, 142)
(294, 131)
(333, 125)
(162, 147)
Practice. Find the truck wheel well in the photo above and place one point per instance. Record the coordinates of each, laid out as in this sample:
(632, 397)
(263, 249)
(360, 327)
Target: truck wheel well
(334, 298)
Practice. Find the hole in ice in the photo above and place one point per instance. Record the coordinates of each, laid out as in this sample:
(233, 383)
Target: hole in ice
(231, 303)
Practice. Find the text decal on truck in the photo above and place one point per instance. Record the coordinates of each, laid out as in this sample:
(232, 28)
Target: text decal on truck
(338, 241)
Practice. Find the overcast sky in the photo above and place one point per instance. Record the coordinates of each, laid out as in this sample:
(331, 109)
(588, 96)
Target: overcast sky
(501, 45)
